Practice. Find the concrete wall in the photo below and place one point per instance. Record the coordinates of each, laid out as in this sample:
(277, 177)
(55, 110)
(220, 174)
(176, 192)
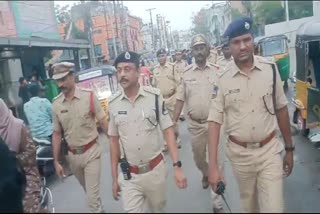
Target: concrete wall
(7, 23)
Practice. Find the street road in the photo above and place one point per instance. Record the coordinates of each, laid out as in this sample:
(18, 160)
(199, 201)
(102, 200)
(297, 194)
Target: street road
(302, 188)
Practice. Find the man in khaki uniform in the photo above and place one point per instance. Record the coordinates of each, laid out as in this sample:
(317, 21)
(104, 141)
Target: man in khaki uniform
(135, 114)
(213, 56)
(222, 61)
(179, 67)
(245, 105)
(166, 79)
(195, 90)
(75, 112)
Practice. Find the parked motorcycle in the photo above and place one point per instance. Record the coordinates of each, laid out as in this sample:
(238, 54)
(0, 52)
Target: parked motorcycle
(44, 157)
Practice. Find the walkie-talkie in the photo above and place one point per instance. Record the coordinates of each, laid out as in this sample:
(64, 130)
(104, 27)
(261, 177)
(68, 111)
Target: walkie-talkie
(220, 190)
(125, 168)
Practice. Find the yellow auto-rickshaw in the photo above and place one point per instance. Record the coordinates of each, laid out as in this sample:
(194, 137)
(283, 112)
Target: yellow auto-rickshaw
(307, 100)
(102, 80)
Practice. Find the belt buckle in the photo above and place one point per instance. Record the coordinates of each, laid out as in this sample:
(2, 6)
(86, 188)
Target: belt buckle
(144, 168)
(253, 145)
(78, 150)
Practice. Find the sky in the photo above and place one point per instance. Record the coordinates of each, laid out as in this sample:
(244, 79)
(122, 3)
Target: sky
(179, 13)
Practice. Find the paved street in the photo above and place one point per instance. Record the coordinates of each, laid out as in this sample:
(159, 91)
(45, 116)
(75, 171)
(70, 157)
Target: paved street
(302, 188)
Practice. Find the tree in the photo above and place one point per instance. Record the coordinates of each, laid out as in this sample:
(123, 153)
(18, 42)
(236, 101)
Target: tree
(199, 22)
(268, 12)
(62, 14)
(300, 9)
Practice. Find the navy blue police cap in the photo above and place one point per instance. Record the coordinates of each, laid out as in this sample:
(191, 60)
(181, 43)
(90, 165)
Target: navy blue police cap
(128, 56)
(238, 27)
(161, 51)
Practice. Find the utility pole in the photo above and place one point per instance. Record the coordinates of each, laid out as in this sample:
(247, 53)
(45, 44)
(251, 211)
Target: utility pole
(159, 30)
(115, 14)
(287, 10)
(153, 42)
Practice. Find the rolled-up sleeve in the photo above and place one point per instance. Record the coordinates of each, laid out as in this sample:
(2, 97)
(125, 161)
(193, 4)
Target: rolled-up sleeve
(281, 99)
(164, 117)
(217, 105)
(181, 90)
(112, 128)
(100, 113)
(55, 121)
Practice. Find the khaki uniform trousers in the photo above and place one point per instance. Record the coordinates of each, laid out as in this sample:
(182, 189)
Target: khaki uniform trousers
(145, 193)
(199, 142)
(259, 173)
(87, 169)
(170, 105)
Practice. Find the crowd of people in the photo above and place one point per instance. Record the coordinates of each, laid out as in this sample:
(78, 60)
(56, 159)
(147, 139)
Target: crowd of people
(232, 103)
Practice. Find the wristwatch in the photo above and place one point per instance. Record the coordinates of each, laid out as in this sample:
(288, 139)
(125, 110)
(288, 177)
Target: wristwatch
(178, 164)
(289, 148)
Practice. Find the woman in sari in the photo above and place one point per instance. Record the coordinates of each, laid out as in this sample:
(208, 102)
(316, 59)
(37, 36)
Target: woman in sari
(15, 134)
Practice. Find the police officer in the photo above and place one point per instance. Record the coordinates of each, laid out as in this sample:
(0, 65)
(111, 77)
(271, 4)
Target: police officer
(195, 90)
(246, 105)
(179, 64)
(226, 58)
(135, 113)
(166, 79)
(75, 112)
(213, 55)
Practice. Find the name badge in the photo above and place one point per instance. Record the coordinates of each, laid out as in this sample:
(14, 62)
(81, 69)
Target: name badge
(63, 111)
(122, 112)
(233, 91)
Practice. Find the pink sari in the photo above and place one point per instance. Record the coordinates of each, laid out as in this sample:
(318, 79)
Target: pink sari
(10, 127)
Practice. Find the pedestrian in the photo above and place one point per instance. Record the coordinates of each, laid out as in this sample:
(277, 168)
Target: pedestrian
(12, 181)
(226, 58)
(23, 90)
(249, 103)
(80, 132)
(145, 72)
(136, 114)
(39, 113)
(167, 79)
(195, 90)
(15, 134)
(213, 55)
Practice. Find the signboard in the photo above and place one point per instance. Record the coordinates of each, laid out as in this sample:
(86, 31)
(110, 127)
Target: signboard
(89, 75)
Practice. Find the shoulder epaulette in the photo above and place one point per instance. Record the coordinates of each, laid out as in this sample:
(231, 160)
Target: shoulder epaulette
(214, 65)
(114, 96)
(224, 70)
(85, 89)
(188, 68)
(264, 60)
(151, 90)
(57, 97)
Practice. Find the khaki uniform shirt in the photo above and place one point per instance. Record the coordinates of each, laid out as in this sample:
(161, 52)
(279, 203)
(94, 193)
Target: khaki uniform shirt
(75, 119)
(166, 79)
(212, 58)
(239, 102)
(196, 89)
(136, 125)
(222, 62)
(179, 68)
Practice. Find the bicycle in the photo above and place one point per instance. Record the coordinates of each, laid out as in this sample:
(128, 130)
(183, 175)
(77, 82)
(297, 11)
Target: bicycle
(46, 197)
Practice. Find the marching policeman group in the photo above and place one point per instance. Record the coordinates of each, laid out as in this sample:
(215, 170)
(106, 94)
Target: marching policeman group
(232, 103)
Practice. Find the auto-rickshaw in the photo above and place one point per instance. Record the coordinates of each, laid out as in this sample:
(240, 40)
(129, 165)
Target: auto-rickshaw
(102, 80)
(275, 48)
(307, 100)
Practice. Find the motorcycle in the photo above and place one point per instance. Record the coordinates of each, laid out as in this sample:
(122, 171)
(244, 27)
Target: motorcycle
(44, 157)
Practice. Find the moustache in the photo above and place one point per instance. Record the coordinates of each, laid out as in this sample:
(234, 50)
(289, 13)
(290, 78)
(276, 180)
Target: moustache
(123, 80)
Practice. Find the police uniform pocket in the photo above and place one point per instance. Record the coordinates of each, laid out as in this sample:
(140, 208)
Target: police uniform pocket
(267, 102)
(233, 100)
(121, 120)
(149, 119)
(87, 120)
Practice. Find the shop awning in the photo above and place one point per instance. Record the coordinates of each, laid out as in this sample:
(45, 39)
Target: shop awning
(42, 42)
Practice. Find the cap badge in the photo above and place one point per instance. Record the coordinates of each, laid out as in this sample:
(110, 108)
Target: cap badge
(127, 56)
(247, 25)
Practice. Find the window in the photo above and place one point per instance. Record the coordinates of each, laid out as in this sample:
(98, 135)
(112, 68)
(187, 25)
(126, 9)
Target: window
(97, 31)
(98, 50)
